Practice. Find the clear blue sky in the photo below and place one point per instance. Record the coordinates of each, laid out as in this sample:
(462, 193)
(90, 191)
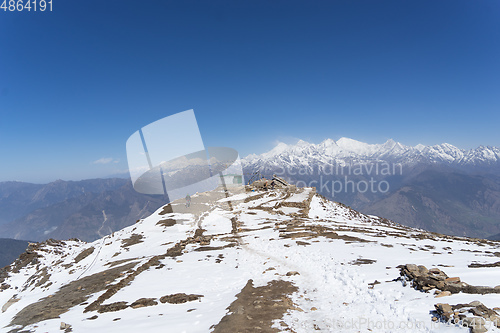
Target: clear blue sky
(75, 83)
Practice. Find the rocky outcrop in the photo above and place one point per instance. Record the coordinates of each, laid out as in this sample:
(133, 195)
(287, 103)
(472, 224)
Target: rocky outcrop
(142, 302)
(425, 279)
(179, 298)
(84, 254)
(474, 315)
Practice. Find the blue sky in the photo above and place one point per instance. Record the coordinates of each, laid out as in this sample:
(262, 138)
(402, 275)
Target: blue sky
(75, 83)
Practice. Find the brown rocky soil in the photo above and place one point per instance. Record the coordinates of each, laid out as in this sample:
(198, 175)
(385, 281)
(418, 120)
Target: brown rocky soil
(84, 254)
(255, 308)
(179, 298)
(72, 294)
(133, 239)
(142, 302)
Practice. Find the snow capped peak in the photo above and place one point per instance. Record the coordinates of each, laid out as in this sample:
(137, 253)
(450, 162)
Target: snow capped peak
(354, 146)
(280, 148)
(328, 143)
(302, 143)
(349, 143)
(329, 146)
(420, 147)
(390, 143)
(346, 150)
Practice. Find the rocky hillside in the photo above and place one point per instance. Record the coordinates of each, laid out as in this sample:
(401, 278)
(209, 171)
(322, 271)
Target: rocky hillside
(282, 260)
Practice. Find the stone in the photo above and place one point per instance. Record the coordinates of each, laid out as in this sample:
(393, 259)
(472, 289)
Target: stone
(447, 316)
(473, 321)
(478, 329)
(481, 311)
(475, 303)
(291, 273)
(476, 324)
(64, 326)
(495, 319)
(443, 307)
(423, 270)
(437, 277)
(11, 301)
(412, 267)
(425, 280)
(440, 285)
(443, 294)
(452, 280)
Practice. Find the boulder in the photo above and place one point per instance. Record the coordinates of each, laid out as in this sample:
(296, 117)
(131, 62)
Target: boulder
(443, 294)
(452, 280)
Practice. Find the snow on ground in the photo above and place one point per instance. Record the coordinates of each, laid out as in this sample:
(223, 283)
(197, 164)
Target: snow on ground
(299, 197)
(330, 252)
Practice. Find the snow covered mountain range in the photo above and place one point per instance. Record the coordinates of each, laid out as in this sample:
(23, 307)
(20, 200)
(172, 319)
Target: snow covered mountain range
(439, 188)
(349, 151)
(285, 260)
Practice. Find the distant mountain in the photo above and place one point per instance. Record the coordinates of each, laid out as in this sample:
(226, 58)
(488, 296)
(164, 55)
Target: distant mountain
(445, 202)
(10, 249)
(494, 237)
(348, 151)
(18, 199)
(440, 188)
(86, 210)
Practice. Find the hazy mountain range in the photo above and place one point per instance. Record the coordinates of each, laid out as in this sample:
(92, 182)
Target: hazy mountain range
(440, 188)
(87, 209)
(10, 249)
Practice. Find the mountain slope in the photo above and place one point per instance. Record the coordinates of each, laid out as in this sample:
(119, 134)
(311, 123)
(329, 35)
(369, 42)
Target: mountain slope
(10, 249)
(18, 199)
(445, 202)
(279, 260)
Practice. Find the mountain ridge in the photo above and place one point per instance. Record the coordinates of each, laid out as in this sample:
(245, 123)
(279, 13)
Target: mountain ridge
(344, 149)
(370, 178)
(85, 209)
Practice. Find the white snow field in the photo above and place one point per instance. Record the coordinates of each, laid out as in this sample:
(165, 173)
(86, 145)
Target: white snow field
(343, 264)
(345, 151)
